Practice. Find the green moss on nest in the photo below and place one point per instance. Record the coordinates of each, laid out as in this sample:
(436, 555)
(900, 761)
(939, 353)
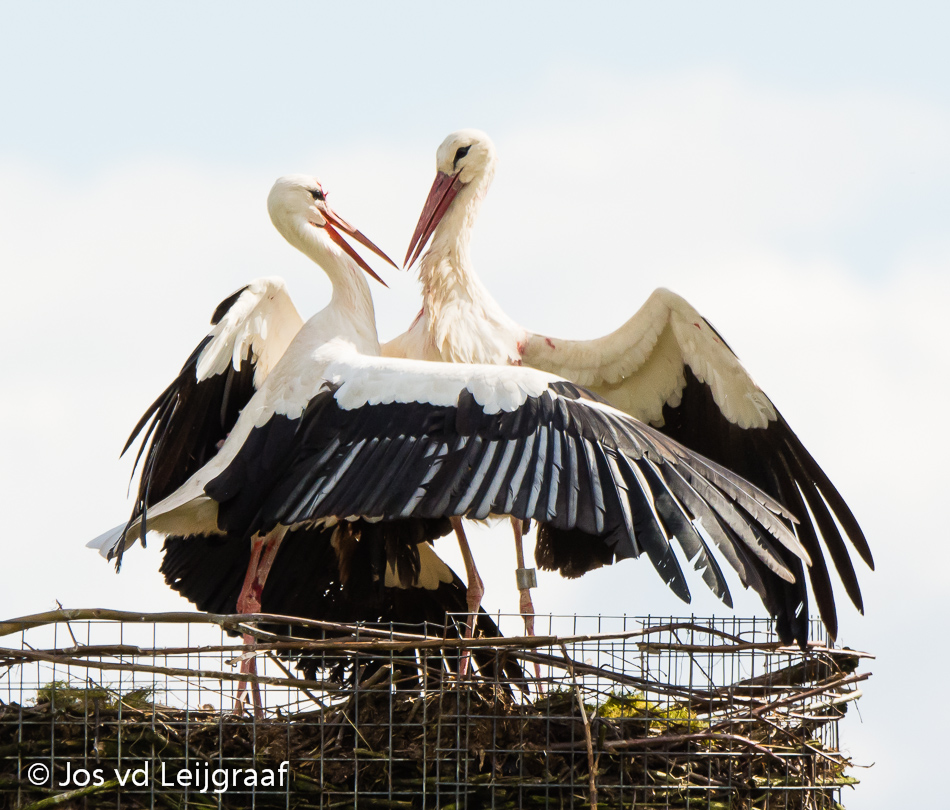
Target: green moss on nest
(63, 697)
(663, 716)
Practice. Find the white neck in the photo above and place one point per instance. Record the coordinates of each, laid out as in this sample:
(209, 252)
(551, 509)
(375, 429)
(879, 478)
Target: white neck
(462, 321)
(350, 313)
(446, 267)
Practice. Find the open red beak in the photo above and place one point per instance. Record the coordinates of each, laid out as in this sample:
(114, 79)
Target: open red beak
(443, 191)
(332, 219)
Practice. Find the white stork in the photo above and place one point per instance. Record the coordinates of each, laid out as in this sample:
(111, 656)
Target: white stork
(666, 366)
(336, 436)
(318, 576)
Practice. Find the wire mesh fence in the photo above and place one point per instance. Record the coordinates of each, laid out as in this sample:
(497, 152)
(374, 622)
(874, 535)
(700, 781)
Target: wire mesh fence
(103, 709)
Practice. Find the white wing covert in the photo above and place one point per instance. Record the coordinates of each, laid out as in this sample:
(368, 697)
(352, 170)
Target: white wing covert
(639, 368)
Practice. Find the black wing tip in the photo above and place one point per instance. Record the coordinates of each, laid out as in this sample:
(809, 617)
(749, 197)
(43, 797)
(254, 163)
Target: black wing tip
(863, 549)
(775, 459)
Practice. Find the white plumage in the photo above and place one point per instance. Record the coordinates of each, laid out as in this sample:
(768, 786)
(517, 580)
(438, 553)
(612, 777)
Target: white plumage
(260, 324)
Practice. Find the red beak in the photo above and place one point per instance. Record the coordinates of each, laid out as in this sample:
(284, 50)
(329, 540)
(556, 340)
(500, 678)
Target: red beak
(333, 218)
(443, 191)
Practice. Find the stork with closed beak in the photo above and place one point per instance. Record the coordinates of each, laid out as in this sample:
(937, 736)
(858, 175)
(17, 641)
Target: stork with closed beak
(665, 366)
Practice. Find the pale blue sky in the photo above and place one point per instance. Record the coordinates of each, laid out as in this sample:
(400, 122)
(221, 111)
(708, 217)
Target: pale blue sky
(786, 169)
(230, 82)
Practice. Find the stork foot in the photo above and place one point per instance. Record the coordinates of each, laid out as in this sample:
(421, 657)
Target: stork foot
(526, 607)
(249, 601)
(249, 667)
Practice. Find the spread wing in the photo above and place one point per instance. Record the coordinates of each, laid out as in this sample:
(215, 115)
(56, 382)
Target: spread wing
(669, 367)
(387, 439)
(183, 428)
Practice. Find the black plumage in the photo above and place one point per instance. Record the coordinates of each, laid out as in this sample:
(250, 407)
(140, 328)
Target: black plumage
(775, 460)
(183, 428)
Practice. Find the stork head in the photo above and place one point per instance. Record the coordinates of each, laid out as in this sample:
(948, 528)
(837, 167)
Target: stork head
(467, 154)
(465, 160)
(297, 205)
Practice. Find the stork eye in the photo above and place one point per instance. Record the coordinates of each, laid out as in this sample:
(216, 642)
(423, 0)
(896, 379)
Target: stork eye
(317, 194)
(462, 152)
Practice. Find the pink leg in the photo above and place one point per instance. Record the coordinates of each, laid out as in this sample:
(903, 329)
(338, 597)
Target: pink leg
(525, 576)
(247, 603)
(526, 605)
(476, 590)
(263, 552)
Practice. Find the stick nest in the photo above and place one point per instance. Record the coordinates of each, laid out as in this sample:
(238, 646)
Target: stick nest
(404, 735)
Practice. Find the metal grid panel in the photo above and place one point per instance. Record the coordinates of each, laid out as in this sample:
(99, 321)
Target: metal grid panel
(664, 712)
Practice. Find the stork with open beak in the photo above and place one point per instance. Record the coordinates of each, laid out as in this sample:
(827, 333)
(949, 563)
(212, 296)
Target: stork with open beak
(327, 573)
(186, 426)
(332, 574)
(665, 366)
